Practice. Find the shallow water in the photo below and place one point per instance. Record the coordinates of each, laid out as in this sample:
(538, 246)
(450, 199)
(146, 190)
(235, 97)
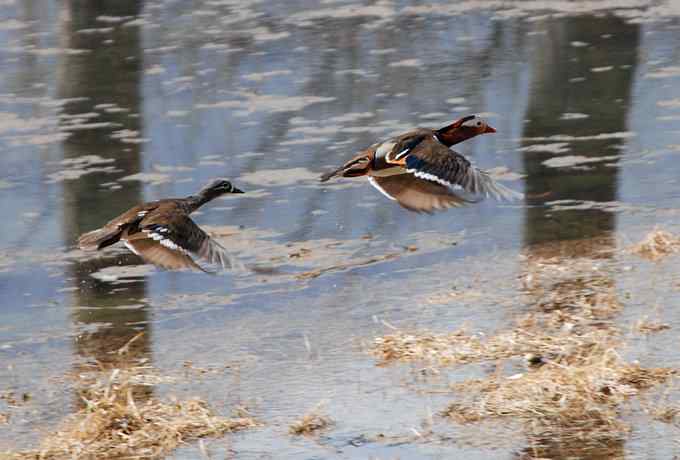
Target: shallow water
(104, 106)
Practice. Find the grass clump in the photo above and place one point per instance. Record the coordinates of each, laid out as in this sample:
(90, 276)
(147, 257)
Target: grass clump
(556, 335)
(114, 423)
(657, 245)
(579, 401)
(575, 385)
(310, 423)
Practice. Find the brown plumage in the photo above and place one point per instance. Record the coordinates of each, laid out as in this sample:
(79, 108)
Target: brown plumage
(419, 171)
(162, 233)
(415, 194)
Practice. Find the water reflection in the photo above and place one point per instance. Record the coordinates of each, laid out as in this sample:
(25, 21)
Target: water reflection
(571, 92)
(184, 77)
(104, 83)
(581, 87)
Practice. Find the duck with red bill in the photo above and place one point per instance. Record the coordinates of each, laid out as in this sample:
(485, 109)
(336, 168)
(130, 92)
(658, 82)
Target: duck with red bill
(419, 171)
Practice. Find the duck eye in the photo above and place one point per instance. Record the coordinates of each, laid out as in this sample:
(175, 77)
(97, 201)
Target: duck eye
(479, 123)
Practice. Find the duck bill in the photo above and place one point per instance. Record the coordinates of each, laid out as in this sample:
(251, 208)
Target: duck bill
(488, 130)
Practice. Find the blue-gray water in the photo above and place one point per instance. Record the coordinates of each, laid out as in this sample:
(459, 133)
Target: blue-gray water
(107, 104)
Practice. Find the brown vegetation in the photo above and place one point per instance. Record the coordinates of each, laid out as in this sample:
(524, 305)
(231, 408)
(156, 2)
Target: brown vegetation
(657, 245)
(310, 423)
(116, 424)
(575, 384)
(646, 326)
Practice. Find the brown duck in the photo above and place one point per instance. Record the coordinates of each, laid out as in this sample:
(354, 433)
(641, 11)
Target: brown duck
(419, 171)
(161, 232)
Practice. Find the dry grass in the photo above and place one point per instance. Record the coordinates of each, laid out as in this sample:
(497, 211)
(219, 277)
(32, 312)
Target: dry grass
(593, 297)
(562, 337)
(666, 413)
(576, 401)
(578, 392)
(310, 423)
(579, 286)
(580, 386)
(657, 245)
(117, 424)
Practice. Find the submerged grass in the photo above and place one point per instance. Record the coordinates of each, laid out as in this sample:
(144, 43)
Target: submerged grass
(116, 422)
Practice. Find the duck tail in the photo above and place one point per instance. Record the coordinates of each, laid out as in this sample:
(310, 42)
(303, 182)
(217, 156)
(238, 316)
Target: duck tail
(98, 239)
(329, 175)
(357, 166)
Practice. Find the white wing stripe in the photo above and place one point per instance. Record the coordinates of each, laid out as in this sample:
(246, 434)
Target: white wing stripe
(171, 245)
(433, 178)
(130, 247)
(163, 240)
(402, 154)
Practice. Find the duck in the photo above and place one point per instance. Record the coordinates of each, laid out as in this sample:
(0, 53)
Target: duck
(162, 233)
(421, 173)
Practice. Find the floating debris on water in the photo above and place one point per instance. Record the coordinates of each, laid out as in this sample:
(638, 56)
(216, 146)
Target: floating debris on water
(311, 423)
(657, 245)
(646, 326)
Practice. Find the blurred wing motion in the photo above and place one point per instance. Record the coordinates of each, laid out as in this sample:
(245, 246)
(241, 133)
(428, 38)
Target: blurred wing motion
(434, 162)
(174, 244)
(417, 195)
(160, 235)
(422, 174)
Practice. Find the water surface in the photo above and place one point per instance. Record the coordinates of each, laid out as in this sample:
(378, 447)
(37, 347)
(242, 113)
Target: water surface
(105, 105)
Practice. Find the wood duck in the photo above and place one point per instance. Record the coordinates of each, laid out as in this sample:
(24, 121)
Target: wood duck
(161, 232)
(419, 171)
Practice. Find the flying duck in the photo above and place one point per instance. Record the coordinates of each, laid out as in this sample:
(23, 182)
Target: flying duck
(162, 233)
(419, 171)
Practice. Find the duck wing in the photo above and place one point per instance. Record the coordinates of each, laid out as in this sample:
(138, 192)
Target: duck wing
(432, 161)
(417, 195)
(173, 241)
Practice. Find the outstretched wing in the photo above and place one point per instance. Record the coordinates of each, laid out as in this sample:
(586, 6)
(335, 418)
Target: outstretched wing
(417, 195)
(173, 242)
(434, 162)
(159, 254)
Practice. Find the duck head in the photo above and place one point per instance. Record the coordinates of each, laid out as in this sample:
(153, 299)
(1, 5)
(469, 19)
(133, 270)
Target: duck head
(463, 129)
(217, 188)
